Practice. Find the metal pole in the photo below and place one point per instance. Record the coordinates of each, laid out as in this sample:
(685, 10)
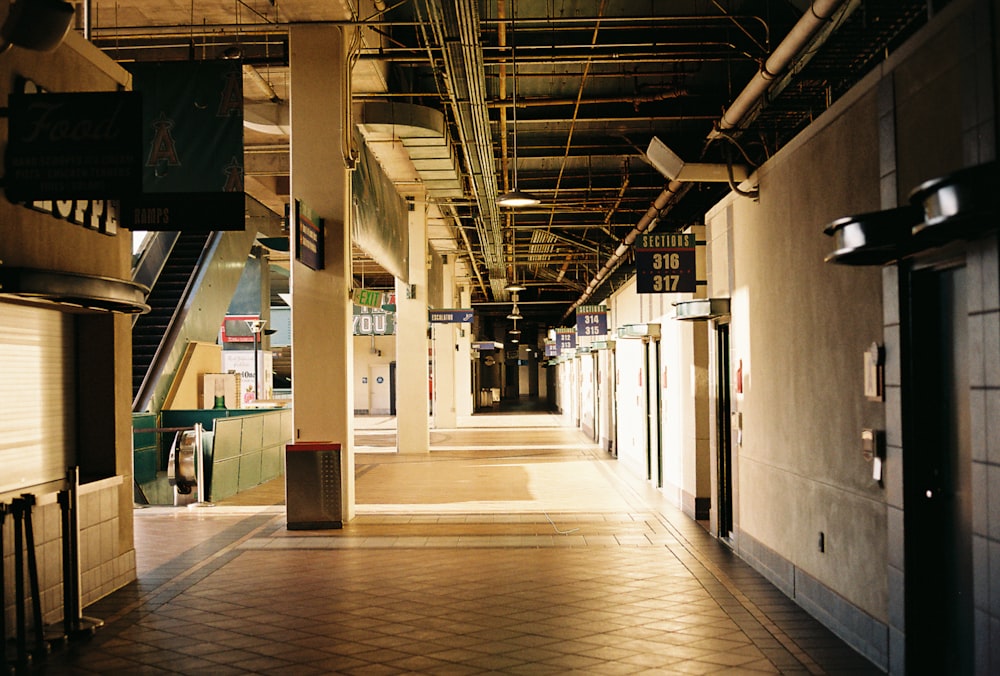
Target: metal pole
(80, 626)
(256, 378)
(71, 614)
(3, 595)
(199, 462)
(21, 629)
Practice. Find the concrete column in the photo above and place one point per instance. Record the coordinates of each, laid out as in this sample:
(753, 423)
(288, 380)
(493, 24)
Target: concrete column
(464, 401)
(445, 346)
(412, 376)
(322, 341)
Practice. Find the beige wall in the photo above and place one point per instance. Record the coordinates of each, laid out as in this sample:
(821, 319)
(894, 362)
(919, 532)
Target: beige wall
(37, 240)
(364, 359)
(800, 327)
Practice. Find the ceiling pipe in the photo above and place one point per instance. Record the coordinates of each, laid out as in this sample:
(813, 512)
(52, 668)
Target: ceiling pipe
(809, 24)
(636, 100)
(671, 194)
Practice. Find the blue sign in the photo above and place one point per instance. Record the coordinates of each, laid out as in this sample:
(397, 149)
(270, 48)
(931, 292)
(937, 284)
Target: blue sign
(551, 349)
(451, 316)
(484, 346)
(592, 320)
(665, 263)
(565, 340)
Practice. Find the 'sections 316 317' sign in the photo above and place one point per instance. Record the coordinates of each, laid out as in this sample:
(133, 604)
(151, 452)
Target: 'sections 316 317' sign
(665, 263)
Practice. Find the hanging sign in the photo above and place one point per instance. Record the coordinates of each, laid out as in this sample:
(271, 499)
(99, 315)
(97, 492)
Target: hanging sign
(565, 340)
(451, 316)
(551, 350)
(591, 320)
(370, 322)
(368, 298)
(665, 263)
(74, 146)
(192, 147)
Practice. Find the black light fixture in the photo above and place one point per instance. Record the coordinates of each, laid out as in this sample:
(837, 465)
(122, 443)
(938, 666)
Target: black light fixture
(515, 198)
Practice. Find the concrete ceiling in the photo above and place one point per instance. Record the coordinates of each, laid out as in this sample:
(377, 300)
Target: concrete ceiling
(593, 82)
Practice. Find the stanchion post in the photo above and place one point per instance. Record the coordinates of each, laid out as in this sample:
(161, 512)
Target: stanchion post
(71, 610)
(21, 628)
(80, 626)
(199, 465)
(41, 647)
(3, 594)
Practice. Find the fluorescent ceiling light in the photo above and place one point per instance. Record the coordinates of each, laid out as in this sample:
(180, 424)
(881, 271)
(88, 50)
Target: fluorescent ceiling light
(517, 198)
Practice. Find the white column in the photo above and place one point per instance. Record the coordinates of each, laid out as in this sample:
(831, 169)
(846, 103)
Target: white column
(464, 400)
(412, 375)
(322, 341)
(445, 351)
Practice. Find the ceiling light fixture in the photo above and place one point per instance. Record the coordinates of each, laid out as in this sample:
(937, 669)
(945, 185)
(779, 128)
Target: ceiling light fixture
(515, 198)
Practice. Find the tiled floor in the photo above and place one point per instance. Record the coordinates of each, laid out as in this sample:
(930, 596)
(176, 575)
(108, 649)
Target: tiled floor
(507, 549)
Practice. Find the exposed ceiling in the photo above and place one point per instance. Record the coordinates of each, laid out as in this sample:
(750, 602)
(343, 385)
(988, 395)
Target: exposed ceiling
(593, 82)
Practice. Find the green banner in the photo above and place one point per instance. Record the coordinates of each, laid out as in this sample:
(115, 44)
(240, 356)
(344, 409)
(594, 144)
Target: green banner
(192, 160)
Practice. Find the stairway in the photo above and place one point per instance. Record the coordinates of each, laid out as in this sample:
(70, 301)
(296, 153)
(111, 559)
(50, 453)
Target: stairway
(165, 297)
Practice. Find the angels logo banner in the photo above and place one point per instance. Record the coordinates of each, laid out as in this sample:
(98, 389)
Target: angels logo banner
(192, 152)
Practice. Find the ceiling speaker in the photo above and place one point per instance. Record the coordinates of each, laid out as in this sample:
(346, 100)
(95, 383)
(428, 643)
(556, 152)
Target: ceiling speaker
(37, 24)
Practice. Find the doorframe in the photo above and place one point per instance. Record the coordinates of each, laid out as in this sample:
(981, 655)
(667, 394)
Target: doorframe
(723, 523)
(937, 561)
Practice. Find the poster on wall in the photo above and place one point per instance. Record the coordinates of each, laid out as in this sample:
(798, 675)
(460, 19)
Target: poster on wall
(220, 390)
(241, 362)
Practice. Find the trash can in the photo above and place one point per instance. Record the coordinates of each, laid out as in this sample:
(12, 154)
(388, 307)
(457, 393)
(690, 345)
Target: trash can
(312, 486)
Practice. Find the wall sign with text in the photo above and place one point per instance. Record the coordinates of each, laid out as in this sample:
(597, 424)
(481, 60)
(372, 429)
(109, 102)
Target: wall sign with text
(591, 320)
(308, 237)
(665, 263)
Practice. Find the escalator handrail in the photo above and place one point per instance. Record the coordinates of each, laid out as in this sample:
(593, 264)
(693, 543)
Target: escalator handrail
(154, 258)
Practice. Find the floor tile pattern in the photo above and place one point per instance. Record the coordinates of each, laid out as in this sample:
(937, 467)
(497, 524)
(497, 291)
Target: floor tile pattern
(614, 584)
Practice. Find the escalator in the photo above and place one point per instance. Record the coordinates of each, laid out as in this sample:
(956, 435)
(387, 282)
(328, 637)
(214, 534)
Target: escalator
(169, 289)
(192, 277)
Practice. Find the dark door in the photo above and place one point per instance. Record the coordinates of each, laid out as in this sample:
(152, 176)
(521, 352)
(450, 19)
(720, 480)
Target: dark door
(723, 435)
(937, 461)
(392, 388)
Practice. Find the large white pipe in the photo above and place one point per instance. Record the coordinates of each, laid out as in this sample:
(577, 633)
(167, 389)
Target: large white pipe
(820, 11)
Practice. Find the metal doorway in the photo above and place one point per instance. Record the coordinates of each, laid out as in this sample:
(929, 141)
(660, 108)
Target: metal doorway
(723, 436)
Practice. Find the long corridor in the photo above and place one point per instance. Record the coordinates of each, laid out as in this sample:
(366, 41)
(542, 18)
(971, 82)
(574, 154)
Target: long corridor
(515, 547)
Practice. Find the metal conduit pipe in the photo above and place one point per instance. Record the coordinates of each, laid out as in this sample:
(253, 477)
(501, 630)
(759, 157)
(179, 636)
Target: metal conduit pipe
(671, 194)
(454, 30)
(820, 12)
(504, 103)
